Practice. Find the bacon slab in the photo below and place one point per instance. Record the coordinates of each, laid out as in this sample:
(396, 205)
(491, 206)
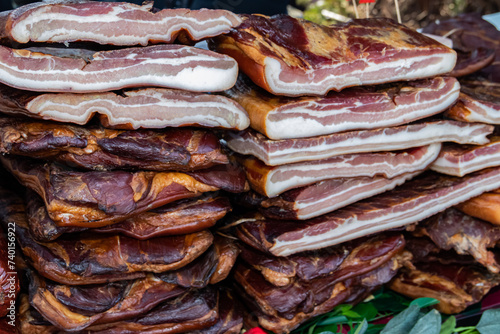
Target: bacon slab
(168, 66)
(479, 101)
(119, 23)
(286, 151)
(322, 197)
(352, 109)
(415, 200)
(485, 206)
(104, 149)
(96, 199)
(460, 160)
(274, 180)
(130, 109)
(288, 56)
(180, 217)
(452, 229)
(469, 62)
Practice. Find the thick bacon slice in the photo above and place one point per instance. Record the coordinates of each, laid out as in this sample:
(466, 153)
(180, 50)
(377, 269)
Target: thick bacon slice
(119, 23)
(452, 229)
(169, 66)
(129, 109)
(274, 180)
(352, 109)
(180, 217)
(322, 197)
(96, 199)
(479, 101)
(104, 149)
(286, 151)
(415, 200)
(485, 206)
(288, 56)
(460, 160)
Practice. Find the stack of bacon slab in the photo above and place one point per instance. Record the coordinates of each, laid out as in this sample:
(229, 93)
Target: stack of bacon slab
(456, 251)
(329, 159)
(115, 214)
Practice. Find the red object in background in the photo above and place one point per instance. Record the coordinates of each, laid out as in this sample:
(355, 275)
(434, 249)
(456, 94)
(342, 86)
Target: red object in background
(255, 330)
(366, 1)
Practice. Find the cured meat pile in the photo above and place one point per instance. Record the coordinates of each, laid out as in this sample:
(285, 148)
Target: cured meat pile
(335, 171)
(120, 176)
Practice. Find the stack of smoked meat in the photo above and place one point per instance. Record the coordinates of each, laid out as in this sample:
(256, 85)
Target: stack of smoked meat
(106, 126)
(345, 123)
(455, 252)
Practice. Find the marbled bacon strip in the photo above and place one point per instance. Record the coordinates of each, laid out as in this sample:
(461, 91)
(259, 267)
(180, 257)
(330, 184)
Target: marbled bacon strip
(286, 151)
(119, 23)
(168, 66)
(130, 109)
(415, 200)
(460, 160)
(288, 56)
(274, 180)
(352, 109)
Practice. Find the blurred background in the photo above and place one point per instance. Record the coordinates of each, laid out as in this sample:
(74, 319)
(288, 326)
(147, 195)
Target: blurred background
(414, 13)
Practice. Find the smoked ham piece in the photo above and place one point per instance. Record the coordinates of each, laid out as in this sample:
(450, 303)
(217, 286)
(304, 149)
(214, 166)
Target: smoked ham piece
(180, 217)
(192, 311)
(479, 101)
(472, 61)
(168, 66)
(321, 197)
(100, 198)
(119, 23)
(286, 151)
(415, 200)
(460, 160)
(485, 206)
(128, 109)
(104, 149)
(452, 229)
(274, 180)
(279, 117)
(289, 56)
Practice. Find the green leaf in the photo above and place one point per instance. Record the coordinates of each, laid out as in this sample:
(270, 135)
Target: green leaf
(424, 302)
(428, 324)
(448, 327)
(363, 326)
(366, 311)
(390, 302)
(338, 319)
(489, 322)
(403, 322)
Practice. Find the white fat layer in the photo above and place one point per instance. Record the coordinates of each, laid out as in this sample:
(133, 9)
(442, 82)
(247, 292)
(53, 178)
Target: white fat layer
(406, 71)
(329, 200)
(345, 168)
(386, 220)
(461, 168)
(312, 122)
(431, 133)
(197, 78)
(137, 32)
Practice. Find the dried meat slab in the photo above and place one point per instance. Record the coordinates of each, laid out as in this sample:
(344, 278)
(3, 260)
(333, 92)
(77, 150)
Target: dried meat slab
(279, 117)
(479, 101)
(119, 23)
(274, 180)
(460, 160)
(322, 197)
(128, 109)
(191, 311)
(338, 263)
(288, 56)
(485, 206)
(286, 151)
(100, 198)
(167, 66)
(104, 149)
(415, 200)
(180, 217)
(452, 229)
(469, 62)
